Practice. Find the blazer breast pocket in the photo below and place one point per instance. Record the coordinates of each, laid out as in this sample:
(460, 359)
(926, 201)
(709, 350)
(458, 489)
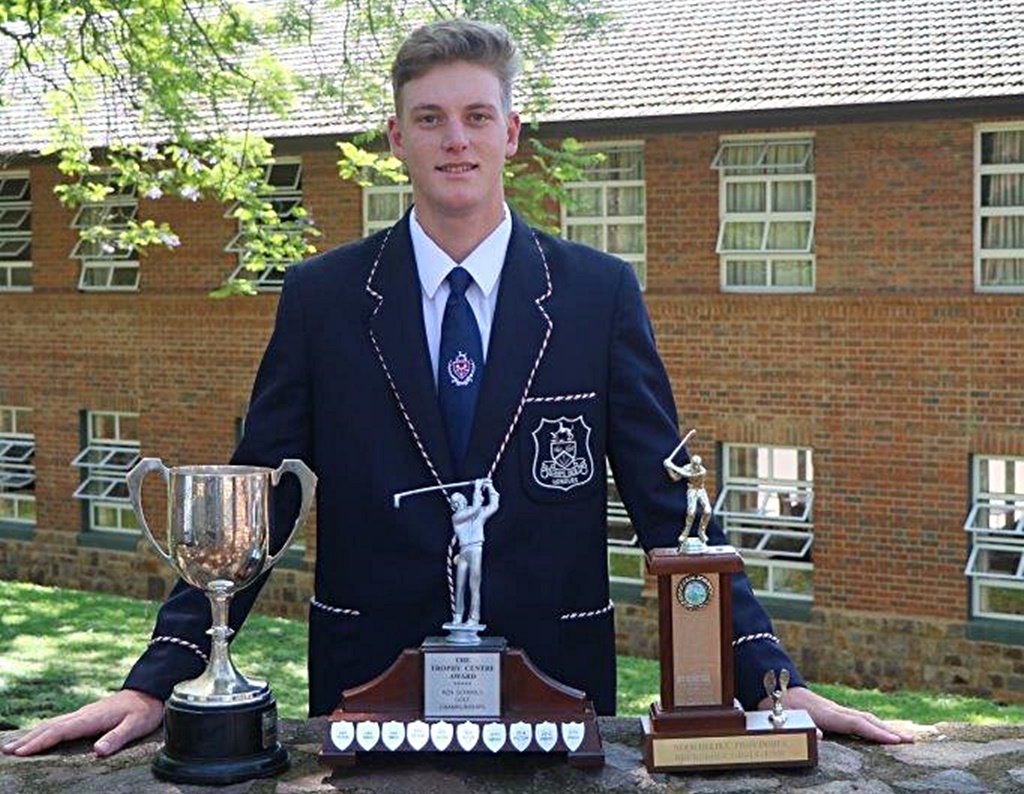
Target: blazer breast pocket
(561, 448)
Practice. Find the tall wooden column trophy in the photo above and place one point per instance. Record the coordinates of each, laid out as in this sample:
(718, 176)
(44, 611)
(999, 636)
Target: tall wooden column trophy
(463, 693)
(698, 724)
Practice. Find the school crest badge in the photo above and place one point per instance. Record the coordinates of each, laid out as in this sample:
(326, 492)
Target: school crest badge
(561, 453)
(461, 369)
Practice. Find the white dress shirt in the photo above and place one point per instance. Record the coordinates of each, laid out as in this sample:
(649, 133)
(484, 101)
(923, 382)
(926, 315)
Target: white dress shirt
(484, 264)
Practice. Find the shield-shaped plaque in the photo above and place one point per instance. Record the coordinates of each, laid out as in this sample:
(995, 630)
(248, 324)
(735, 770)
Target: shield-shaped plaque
(441, 734)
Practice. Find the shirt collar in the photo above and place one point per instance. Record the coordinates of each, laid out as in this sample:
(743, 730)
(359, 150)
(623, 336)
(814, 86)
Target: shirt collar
(484, 263)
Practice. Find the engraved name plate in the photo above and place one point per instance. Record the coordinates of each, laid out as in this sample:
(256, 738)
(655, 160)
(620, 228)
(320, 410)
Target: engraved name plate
(460, 682)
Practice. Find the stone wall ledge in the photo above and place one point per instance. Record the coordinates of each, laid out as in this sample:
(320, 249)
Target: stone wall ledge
(959, 759)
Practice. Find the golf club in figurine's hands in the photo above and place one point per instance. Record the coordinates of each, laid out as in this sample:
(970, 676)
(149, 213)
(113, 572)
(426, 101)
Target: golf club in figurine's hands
(222, 726)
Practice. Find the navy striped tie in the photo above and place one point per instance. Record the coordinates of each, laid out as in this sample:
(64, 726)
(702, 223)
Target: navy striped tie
(460, 365)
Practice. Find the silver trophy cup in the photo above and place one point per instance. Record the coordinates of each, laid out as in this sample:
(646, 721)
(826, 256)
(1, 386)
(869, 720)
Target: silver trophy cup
(218, 538)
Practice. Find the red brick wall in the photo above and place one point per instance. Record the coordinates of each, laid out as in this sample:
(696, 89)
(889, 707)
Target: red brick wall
(894, 371)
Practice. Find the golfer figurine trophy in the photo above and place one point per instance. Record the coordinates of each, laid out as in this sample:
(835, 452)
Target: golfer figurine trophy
(221, 727)
(463, 693)
(698, 724)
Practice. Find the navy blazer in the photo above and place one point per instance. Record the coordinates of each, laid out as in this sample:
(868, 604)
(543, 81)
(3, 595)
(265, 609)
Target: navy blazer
(572, 377)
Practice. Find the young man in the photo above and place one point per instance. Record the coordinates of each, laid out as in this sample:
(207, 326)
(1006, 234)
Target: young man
(460, 344)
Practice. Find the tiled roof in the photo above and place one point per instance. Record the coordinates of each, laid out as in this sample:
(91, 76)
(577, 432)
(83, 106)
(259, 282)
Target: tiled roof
(678, 57)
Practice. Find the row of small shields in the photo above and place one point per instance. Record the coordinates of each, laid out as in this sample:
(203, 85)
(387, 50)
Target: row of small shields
(466, 735)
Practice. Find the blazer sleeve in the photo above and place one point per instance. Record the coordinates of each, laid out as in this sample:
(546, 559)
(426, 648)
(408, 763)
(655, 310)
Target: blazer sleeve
(642, 429)
(277, 426)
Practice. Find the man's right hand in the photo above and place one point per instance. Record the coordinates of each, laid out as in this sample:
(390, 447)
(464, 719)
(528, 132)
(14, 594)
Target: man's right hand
(120, 717)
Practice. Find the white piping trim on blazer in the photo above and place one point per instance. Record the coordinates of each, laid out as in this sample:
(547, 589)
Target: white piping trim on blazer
(183, 643)
(764, 635)
(334, 610)
(561, 398)
(591, 614)
(519, 409)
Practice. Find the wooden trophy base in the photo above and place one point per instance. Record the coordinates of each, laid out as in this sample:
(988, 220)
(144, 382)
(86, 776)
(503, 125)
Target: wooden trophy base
(536, 714)
(727, 740)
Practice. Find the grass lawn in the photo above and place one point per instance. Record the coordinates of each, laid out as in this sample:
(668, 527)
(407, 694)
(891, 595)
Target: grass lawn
(60, 649)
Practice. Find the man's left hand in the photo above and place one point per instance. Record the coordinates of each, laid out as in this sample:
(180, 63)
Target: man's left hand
(831, 717)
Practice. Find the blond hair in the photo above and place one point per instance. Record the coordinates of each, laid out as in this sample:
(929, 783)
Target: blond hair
(452, 40)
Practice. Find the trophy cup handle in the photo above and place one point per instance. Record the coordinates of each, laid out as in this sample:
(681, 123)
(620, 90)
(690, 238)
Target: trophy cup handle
(307, 479)
(134, 479)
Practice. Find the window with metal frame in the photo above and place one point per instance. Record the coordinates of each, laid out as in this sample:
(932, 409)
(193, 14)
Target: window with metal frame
(112, 449)
(995, 526)
(17, 466)
(765, 506)
(608, 208)
(625, 557)
(15, 231)
(999, 208)
(106, 266)
(284, 177)
(384, 206)
(766, 211)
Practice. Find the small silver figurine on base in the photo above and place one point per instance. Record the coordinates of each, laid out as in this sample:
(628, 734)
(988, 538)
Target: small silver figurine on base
(695, 475)
(776, 686)
(468, 522)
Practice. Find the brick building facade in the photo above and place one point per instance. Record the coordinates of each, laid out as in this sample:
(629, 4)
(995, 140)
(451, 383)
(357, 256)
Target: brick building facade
(852, 415)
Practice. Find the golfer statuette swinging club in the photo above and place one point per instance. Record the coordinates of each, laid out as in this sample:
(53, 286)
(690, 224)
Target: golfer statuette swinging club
(222, 726)
(697, 724)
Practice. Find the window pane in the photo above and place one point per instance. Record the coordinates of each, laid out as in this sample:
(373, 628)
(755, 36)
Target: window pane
(128, 520)
(742, 462)
(618, 164)
(758, 575)
(14, 249)
(586, 234)
(125, 277)
(14, 188)
(383, 206)
(14, 217)
(7, 508)
(1002, 190)
(27, 509)
(586, 202)
(1002, 272)
(784, 155)
(95, 276)
(796, 196)
(104, 517)
(627, 566)
(625, 239)
(746, 273)
(1008, 600)
(21, 276)
(995, 561)
(793, 580)
(94, 487)
(1002, 148)
(787, 544)
(745, 197)
(789, 235)
(742, 236)
(1002, 232)
(625, 201)
(792, 273)
(284, 175)
(740, 154)
(7, 420)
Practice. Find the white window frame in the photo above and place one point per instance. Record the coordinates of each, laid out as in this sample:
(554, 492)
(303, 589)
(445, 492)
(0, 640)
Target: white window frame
(638, 261)
(404, 192)
(980, 212)
(17, 468)
(8, 266)
(1007, 537)
(766, 525)
(106, 475)
(619, 546)
(106, 263)
(271, 278)
(748, 174)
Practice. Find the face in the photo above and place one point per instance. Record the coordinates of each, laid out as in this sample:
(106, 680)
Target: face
(453, 137)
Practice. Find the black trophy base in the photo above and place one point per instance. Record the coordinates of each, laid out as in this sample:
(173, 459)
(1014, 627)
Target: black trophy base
(218, 746)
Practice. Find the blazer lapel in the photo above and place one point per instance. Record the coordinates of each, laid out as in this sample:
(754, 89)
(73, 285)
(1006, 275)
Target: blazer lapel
(396, 329)
(519, 337)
